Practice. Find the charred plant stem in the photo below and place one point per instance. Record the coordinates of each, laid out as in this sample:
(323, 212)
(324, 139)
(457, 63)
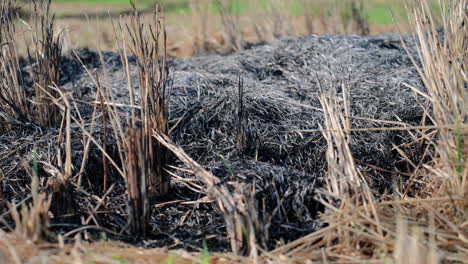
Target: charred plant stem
(104, 124)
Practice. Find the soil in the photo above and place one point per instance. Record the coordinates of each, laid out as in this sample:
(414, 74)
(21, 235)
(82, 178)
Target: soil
(282, 81)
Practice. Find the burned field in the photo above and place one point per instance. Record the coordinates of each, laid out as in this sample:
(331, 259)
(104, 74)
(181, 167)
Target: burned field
(252, 119)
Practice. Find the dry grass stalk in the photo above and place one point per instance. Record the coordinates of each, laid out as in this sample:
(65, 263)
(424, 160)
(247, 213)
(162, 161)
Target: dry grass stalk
(345, 185)
(143, 158)
(200, 25)
(242, 142)
(443, 71)
(137, 184)
(45, 61)
(65, 132)
(59, 182)
(343, 176)
(147, 43)
(231, 27)
(14, 105)
(104, 125)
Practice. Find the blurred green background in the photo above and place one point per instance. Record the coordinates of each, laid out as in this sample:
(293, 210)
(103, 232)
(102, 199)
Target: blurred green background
(192, 24)
(376, 11)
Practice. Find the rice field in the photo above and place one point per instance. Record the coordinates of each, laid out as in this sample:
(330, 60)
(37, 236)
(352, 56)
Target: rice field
(233, 132)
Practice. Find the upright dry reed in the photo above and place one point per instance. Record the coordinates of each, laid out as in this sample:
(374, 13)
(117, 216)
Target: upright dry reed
(443, 71)
(14, 105)
(144, 158)
(45, 62)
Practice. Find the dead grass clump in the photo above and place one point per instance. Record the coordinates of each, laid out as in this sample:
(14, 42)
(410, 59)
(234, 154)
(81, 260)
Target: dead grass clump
(45, 62)
(19, 105)
(429, 226)
(443, 71)
(345, 191)
(35, 106)
(14, 105)
(143, 158)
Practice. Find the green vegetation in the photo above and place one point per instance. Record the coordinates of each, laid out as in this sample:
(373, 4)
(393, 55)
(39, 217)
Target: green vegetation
(112, 2)
(120, 259)
(170, 259)
(228, 167)
(379, 15)
(178, 6)
(376, 11)
(205, 254)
